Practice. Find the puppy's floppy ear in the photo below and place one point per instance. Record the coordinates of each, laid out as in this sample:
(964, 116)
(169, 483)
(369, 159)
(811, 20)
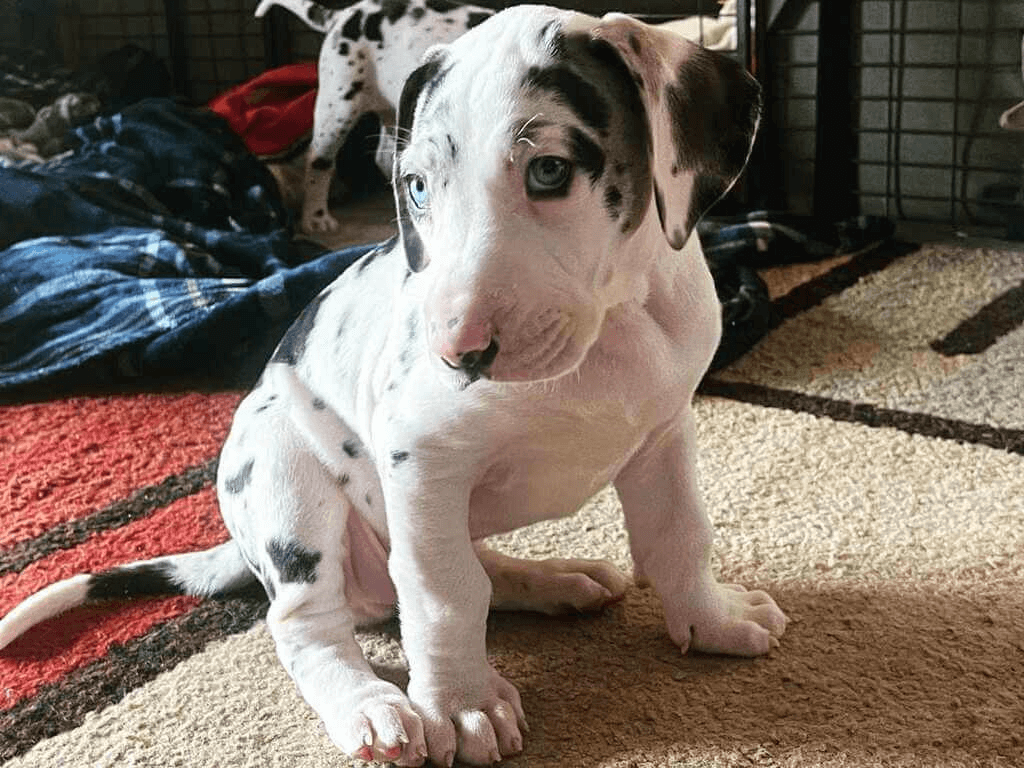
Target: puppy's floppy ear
(423, 79)
(703, 109)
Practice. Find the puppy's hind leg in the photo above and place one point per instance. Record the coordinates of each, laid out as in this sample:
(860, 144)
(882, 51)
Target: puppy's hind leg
(551, 586)
(344, 93)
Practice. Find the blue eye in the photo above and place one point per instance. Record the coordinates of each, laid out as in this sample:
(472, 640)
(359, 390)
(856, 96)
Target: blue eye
(417, 187)
(548, 175)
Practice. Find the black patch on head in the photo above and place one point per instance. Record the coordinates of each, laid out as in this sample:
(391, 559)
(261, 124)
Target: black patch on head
(353, 89)
(397, 457)
(294, 342)
(441, 6)
(414, 251)
(343, 48)
(586, 154)
(414, 85)
(295, 564)
(352, 29)
(452, 148)
(476, 18)
(417, 13)
(352, 448)
(238, 482)
(318, 404)
(567, 86)
(133, 581)
(322, 163)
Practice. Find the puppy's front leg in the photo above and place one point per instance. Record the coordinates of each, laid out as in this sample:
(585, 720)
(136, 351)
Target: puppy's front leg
(467, 708)
(670, 538)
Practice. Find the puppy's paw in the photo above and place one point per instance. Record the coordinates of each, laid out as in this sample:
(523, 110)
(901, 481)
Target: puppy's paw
(555, 586)
(725, 618)
(478, 733)
(376, 722)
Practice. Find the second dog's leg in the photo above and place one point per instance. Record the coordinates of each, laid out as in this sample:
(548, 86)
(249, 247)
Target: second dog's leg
(551, 586)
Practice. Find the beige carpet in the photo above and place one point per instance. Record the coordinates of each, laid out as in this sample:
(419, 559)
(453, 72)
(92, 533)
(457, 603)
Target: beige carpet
(872, 484)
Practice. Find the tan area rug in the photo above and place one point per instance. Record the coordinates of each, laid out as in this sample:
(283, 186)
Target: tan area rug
(864, 464)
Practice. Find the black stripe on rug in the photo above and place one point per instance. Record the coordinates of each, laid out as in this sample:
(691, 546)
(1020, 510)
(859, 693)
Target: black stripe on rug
(63, 705)
(811, 293)
(1010, 440)
(120, 513)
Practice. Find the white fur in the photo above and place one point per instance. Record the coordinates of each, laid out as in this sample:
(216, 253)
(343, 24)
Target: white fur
(45, 604)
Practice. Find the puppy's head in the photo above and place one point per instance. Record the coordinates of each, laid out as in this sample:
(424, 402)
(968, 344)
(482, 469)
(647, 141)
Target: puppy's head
(544, 160)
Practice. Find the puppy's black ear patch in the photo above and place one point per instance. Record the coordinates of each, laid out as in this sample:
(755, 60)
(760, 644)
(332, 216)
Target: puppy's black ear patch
(294, 563)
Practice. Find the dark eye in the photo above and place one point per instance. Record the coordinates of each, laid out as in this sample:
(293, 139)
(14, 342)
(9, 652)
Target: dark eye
(417, 187)
(548, 175)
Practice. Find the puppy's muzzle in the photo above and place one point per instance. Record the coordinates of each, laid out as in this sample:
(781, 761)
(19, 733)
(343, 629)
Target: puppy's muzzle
(475, 363)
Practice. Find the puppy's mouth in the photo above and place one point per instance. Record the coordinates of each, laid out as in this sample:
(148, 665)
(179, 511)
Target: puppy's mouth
(545, 350)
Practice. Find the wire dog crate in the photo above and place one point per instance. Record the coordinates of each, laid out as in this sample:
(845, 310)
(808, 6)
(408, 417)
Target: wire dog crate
(891, 107)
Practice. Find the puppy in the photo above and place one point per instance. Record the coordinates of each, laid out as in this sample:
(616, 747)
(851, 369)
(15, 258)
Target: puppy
(536, 331)
(369, 49)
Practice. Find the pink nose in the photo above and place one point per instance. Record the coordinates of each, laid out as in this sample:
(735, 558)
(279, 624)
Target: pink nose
(470, 347)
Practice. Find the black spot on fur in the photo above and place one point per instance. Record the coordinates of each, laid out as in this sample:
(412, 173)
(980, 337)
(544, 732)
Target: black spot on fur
(397, 457)
(295, 564)
(441, 6)
(373, 24)
(318, 404)
(352, 448)
(353, 27)
(344, 480)
(476, 18)
(369, 500)
(294, 342)
(582, 96)
(417, 13)
(353, 90)
(133, 581)
(343, 48)
(394, 9)
(266, 403)
(452, 147)
(586, 154)
(322, 163)
(367, 260)
(238, 482)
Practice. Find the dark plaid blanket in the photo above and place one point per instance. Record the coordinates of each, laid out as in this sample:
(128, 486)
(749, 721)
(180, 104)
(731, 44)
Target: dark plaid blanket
(159, 253)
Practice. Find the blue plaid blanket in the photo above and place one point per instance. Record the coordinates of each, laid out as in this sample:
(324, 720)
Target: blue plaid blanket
(159, 254)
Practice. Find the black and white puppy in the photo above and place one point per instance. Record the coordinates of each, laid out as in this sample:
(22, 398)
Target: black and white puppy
(369, 49)
(535, 333)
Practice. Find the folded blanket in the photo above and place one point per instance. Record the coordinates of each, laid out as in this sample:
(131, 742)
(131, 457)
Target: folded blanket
(159, 254)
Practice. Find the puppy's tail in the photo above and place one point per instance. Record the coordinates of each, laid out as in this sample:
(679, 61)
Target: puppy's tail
(315, 15)
(220, 570)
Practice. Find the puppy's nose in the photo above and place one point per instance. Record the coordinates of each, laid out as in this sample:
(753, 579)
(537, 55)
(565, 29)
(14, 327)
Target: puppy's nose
(474, 362)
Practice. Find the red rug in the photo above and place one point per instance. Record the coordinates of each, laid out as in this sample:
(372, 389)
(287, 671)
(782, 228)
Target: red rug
(85, 484)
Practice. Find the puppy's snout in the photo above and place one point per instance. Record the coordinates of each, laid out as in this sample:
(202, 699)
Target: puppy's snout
(474, 362)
